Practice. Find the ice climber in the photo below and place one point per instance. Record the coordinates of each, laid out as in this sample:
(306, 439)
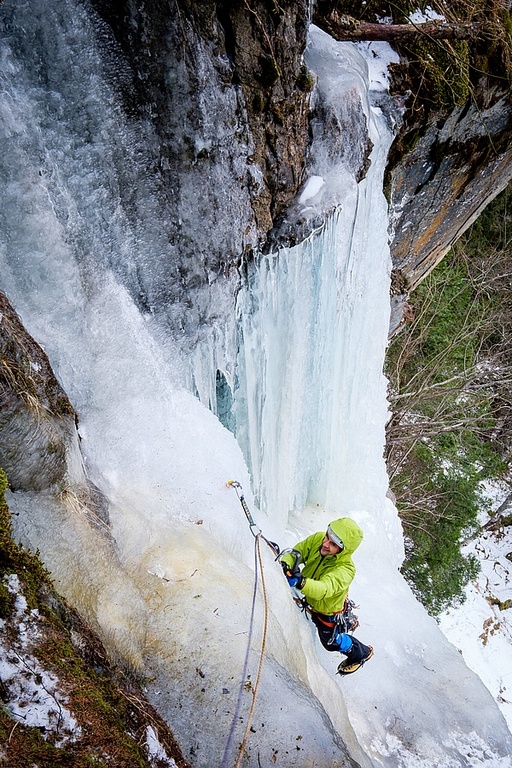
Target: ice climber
(324, 579)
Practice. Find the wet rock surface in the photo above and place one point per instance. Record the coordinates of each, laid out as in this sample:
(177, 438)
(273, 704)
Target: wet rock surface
(37, 421)
(226, 87)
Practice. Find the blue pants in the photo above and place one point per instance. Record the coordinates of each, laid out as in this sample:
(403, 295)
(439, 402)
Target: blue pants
(353, 648)
(343, 642)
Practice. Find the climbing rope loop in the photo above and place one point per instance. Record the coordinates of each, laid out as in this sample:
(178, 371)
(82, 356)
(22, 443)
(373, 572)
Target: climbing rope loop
(258, 570)
(258, 574)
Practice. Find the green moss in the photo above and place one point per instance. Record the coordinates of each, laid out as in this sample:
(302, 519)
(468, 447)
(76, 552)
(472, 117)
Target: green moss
(305, 80)
(259, 102)
(445, 75)
(6, 602)
(4, 484)
(270, 72)
(28, 747)
(15, 559)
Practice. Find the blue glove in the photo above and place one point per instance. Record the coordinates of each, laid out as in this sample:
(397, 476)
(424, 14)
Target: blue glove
(293, 575)
(296, 581)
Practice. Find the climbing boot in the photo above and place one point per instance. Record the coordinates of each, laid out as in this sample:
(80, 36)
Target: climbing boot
(358, 655)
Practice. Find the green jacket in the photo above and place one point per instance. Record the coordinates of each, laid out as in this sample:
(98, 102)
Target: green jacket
(328, 578)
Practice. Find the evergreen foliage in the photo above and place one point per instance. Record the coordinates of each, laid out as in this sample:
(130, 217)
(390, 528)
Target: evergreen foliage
(451, 396)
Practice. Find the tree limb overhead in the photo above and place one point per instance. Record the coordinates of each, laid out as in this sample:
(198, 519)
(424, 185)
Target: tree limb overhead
(346, 28)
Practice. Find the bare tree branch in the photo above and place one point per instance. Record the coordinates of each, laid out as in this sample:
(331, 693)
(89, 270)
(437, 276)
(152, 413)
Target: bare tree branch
(343, 27)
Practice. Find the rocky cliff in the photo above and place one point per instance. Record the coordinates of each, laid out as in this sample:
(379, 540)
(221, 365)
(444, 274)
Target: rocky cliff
(37, 421)
(437, 189)
(224, 89)
(226, 86)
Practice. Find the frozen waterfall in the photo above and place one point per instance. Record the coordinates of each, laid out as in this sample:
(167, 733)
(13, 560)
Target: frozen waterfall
(83, 259)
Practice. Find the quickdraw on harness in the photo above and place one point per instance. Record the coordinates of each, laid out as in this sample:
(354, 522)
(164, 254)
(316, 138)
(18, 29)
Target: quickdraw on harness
(342, 622)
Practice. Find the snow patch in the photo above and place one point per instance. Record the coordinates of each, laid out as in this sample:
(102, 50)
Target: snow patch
(156, 750)
(34, 698)
(481, 627)
(312, 187)
(378, 57)
(419, 17)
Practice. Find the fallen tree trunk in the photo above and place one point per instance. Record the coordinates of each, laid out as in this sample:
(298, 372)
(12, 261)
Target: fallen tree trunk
(346, 28)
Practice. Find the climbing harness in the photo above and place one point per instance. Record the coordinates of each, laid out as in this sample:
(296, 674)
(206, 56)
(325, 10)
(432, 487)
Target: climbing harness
(341, 622)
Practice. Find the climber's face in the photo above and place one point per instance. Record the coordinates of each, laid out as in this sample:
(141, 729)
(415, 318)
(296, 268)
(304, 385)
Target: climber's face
(329, 547)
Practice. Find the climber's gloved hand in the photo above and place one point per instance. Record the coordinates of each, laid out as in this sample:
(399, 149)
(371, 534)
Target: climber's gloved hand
(293, 575)
(296, 581)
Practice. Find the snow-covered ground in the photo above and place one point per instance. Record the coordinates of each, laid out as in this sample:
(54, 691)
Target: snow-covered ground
(34, 696)
(38, 698)
(481, 627)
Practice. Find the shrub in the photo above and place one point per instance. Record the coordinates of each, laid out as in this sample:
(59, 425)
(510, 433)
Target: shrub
(450, 394)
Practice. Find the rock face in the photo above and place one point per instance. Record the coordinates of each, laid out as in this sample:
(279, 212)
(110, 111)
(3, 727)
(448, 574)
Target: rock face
(227, 90)
(439, 188)
(37, 421)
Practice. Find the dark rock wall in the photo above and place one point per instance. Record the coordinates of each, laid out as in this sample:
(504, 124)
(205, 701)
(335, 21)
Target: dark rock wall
(37, 421)
(224, 83)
